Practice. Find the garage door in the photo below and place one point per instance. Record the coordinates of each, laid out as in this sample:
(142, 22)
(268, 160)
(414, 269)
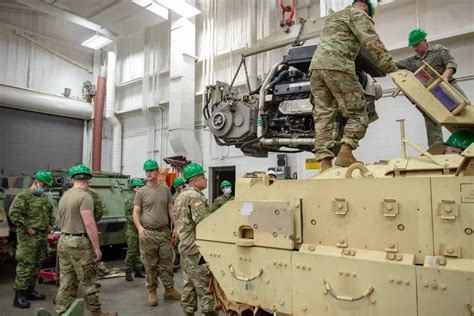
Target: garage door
(30, 141)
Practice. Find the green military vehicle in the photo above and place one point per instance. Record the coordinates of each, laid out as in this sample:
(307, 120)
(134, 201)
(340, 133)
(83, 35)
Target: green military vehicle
(112, 189)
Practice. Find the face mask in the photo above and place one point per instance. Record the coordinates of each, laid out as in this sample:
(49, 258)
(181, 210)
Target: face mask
(227, 191)
(39, 191)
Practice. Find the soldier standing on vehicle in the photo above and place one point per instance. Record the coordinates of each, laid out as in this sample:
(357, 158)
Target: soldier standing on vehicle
(226, 196)
(153, 207)
(132, 260)
(32, 213)
(191, 208)
(78, 247)
(441, 60)
(333, 78)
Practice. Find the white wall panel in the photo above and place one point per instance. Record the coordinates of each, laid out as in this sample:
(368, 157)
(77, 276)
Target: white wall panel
(26, 65)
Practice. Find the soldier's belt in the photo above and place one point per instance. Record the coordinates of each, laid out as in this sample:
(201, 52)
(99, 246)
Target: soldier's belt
(75, 235)
(158, 229)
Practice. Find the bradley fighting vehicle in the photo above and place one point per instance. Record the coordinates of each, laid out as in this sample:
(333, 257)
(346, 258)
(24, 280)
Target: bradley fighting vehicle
(113, 190)
(393, 238)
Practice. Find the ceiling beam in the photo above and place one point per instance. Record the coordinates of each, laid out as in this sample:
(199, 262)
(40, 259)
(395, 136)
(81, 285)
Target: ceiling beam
(73, 18)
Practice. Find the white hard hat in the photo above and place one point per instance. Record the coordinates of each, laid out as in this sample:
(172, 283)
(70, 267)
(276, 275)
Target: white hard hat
(271, 173)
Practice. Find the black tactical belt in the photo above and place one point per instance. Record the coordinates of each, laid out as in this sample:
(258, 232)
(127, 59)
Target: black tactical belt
(75, 235)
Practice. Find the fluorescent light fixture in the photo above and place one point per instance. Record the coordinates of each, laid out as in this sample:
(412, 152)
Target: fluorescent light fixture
(153, 7)
(97, 41)
(142, 3)
(180, 7)
(158, 10)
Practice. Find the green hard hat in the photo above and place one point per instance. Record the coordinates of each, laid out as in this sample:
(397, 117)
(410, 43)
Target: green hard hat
(225, 183)
(44, 176)
(79, 170)
(416, 36)
(370, 4)
(191, 170)
(137, 182)
(461, 139)
(150, 164)
(178, 182)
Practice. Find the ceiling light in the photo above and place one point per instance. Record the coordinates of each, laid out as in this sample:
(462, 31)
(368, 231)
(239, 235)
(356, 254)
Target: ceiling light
(153, 7)
(158, 10)
(180, 7)
(142, 3)
(97, 41)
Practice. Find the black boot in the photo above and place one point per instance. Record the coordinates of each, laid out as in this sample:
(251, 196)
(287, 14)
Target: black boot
(176, 263)
(128, 274)
(139, 272)
(20, 300)
(32, 295)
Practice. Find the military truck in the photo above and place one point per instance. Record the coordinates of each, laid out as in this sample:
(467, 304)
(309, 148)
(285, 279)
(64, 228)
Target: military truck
(112, 189)
(394, 238)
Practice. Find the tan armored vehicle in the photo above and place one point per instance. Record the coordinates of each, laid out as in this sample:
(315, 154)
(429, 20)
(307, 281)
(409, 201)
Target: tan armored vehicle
(385, 239)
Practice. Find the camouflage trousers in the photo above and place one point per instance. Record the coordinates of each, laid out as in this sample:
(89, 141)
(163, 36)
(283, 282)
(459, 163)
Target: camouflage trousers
(132, 260)
(197, 278)
(30, 252)
(76, 266)
(157, 256)
(335, 91)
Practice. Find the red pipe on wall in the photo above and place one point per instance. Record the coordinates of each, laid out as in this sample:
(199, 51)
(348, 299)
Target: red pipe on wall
(98, 121)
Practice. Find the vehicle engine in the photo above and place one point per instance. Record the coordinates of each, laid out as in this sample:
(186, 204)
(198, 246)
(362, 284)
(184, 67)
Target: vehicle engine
(278, 115)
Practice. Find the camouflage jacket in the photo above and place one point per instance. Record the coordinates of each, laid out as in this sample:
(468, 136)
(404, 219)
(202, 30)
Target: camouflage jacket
(437, 57)
(190, 209)
(175, 196)
(128, 211)
(31, 211)
(219, 201)
(343, 35)
(99, 206)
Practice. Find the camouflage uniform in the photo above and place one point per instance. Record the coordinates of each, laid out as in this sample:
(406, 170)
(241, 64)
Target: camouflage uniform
(132, 259)
(30, 211)
(76, 257)
(440, 59)
(156, 251)
(219, 201)
(191, 208)
(333, 77)
(99, 206)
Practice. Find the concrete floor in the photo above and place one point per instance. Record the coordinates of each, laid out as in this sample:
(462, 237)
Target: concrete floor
(128, 298)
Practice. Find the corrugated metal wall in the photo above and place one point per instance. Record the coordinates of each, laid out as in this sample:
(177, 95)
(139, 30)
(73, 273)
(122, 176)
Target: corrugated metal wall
(31, 141)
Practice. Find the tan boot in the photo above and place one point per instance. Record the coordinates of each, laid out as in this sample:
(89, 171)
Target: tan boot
(325, 164)
(100, 313)
(172, 294)
(152, 300)
(345, 157)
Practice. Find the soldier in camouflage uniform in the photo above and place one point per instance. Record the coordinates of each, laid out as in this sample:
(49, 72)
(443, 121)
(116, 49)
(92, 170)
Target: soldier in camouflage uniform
(132, 260)
(179, 185)
(78, 247)
(226, 196)
(441, 60)
(191, 208)
(152, 210)
(32, 214)
(99, 206)
(333, 78)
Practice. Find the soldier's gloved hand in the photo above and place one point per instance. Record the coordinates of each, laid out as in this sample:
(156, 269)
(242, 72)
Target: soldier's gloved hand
(31, 231)
(98, 254)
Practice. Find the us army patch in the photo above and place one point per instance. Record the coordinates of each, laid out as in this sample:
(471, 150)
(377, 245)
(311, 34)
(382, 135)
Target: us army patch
(198, 203)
